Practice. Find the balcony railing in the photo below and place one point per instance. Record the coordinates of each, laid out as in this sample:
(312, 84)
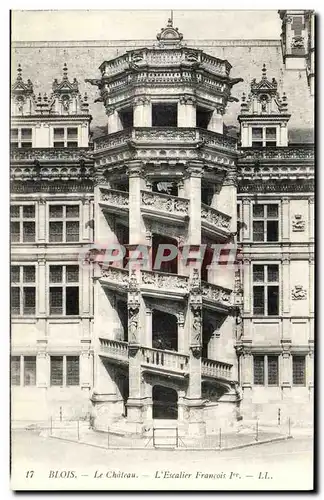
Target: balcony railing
(216, 369)
(114, 347)
(292, 152)
(165, 281)
(144, 58)
(55, 154)
(189, 136)
(114, 197)
(165, 203)
(166, 359)
(216, 293)
(215, 217)
(115, 275)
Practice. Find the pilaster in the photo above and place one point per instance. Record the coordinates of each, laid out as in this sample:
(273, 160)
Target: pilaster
(187, 111)
(137, 233)
(246, 219)
(142, 112)
(42, 219)
(192, 185)
(285, 219)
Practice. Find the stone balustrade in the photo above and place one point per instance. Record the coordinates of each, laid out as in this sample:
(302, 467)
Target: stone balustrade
(54, 154)
(292, 152)
(163, 58)
(216, 369)
(188, 136)
(115, 275)
(165, 281)
(114, 197)
(166, 359)
(215, 217)
(114, 347)
(216, 293)
(165, 203)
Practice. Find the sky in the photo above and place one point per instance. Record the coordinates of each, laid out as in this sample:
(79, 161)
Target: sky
(61, 25)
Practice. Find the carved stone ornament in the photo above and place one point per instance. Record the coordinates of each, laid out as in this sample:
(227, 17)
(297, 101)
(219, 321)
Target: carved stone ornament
(299, 293)
(297, 42)
(196, 326)
(196, 351)
(133, 316)
(298, 224)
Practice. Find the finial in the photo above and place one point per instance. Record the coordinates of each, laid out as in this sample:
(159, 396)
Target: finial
(65, 70)
(264, 72)
(243, 96)
(19, 71)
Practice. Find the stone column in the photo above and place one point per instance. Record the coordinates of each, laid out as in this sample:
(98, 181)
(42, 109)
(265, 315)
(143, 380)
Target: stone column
(283, 135)
(134, 403)
(136, 223)
(244, 135)
(84, 135)
(142, 112)
(227, 199)
(187, 111)
(114, 123)
(216, 123)
(148, 326)
(246, 219)
(285, 220)
(192, 186)
(194, 402)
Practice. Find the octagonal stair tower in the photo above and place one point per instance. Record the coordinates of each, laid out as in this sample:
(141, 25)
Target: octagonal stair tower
(165, 174)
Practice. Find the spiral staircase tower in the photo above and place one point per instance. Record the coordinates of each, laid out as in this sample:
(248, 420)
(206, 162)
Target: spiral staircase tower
(165, 174)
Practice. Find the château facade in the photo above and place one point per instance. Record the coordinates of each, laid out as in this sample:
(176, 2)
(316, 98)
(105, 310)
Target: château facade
(183, 163)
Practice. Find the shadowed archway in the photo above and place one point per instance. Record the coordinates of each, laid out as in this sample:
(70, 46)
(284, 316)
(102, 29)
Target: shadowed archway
(165, 403)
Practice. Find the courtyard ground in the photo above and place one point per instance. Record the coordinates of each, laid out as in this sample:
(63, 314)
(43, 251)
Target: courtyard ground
(40, 462)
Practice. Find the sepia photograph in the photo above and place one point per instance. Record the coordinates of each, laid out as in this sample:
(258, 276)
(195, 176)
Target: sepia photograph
(162, 250)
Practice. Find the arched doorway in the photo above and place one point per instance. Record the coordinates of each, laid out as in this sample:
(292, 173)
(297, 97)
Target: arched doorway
(165, 403)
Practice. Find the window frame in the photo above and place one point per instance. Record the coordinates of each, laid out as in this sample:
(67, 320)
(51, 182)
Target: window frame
(64, 358)
(265, 358)
(63, 284)
(65, 138)
(263, 139)
(21, 219)
(265, 283)
(300, 356)
(21, 285)
(64, 220)
(265, 219)
(22, 370)
(20, 140)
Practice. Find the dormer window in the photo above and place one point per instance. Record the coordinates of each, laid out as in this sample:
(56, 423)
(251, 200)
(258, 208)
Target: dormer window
(21, 137)
(263, 137)
(65, 137)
